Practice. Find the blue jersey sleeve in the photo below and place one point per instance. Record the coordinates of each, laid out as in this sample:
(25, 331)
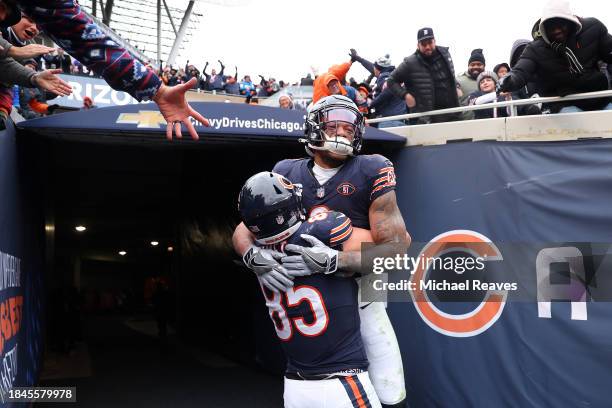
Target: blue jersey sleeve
(380, 174)
(330, 227)
(283, 167)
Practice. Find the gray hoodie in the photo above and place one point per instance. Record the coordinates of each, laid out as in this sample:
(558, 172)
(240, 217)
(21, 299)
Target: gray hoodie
(557, 9)
(13, 73)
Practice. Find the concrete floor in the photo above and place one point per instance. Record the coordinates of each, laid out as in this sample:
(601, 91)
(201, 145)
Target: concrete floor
(127, 369)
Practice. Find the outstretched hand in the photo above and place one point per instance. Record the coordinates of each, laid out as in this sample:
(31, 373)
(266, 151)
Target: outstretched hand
(175, 109)
(29, 51)
(502, 85)
(49, 81)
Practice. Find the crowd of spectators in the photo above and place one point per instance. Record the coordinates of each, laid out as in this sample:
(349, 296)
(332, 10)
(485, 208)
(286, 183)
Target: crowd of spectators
(567, 54)
(218, 82)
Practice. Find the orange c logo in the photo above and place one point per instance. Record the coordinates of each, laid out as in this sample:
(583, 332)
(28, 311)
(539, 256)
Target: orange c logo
(285, 183)
(482, 317)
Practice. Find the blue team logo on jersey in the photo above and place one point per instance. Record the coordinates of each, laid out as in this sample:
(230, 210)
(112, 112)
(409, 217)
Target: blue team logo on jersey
(346, 189)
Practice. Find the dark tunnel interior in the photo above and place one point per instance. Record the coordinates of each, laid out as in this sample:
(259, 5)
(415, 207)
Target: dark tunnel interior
(184, 197)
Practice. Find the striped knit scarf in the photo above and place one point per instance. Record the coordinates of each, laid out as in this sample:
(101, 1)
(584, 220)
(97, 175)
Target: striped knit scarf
(575, 67)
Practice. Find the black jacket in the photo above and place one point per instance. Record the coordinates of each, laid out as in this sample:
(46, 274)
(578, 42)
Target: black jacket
(414, 73)
(592, 44)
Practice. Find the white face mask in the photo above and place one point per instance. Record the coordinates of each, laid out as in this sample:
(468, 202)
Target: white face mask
(337, 125)
(339, 145)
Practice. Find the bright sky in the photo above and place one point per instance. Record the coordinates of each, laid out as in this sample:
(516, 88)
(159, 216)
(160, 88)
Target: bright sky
(283, 38)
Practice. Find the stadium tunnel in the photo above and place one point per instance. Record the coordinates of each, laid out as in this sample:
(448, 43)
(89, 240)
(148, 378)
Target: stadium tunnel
(112, 171)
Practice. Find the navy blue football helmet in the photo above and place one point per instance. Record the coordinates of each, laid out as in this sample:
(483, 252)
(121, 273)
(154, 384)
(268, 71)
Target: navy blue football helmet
(323, 120)
(271, 207)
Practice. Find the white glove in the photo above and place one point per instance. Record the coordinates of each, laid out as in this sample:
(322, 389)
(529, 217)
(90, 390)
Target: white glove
(316, 259)
(265, 265)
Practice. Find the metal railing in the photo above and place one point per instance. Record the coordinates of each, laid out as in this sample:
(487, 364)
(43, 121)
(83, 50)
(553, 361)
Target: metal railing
(512, 103)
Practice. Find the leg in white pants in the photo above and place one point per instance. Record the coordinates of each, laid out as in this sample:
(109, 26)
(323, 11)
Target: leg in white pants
(386, 369)
(354, 391)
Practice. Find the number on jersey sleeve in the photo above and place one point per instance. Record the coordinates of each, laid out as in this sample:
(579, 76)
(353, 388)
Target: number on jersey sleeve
(330, 227)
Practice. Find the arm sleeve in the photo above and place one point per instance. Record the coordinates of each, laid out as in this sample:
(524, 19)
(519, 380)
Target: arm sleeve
(383, 97)
(366, 64)
(381, 176)
(13, 73)
(341, 229)
(486, 98)
(397, 78)
(605, 45)
(38, 106)
(330, 227)
(5, 47)
(75, 31)
(282, 167)
(340, 70)
(523, 71)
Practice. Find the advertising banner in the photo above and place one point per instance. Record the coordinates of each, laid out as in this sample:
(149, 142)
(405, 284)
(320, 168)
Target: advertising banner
(21, 274)
(538, 216)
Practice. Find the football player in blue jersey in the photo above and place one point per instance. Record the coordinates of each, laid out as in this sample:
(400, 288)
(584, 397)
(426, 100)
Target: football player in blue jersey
(335, 177)
(317, 319)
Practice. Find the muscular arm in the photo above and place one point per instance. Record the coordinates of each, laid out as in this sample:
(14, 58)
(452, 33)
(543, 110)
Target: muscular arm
(242, 239)
(387, 228)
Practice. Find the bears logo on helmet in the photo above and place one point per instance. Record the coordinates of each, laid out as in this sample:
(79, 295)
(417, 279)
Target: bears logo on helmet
(271, 207)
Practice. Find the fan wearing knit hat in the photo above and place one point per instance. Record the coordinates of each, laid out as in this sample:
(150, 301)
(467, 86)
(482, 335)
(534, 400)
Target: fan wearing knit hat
(487, 82)
(467, 80)
(382, 101)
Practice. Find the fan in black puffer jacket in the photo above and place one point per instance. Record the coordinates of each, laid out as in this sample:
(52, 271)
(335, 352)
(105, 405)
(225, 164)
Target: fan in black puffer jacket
(425, 80)
(566, 61)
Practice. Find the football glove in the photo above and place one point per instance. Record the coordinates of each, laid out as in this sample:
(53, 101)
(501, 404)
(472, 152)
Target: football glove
(319, 258)
(265, 265)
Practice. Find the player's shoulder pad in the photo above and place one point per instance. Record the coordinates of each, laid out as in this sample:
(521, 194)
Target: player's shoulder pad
(284, 166)
(374, 164)
(330, 227)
